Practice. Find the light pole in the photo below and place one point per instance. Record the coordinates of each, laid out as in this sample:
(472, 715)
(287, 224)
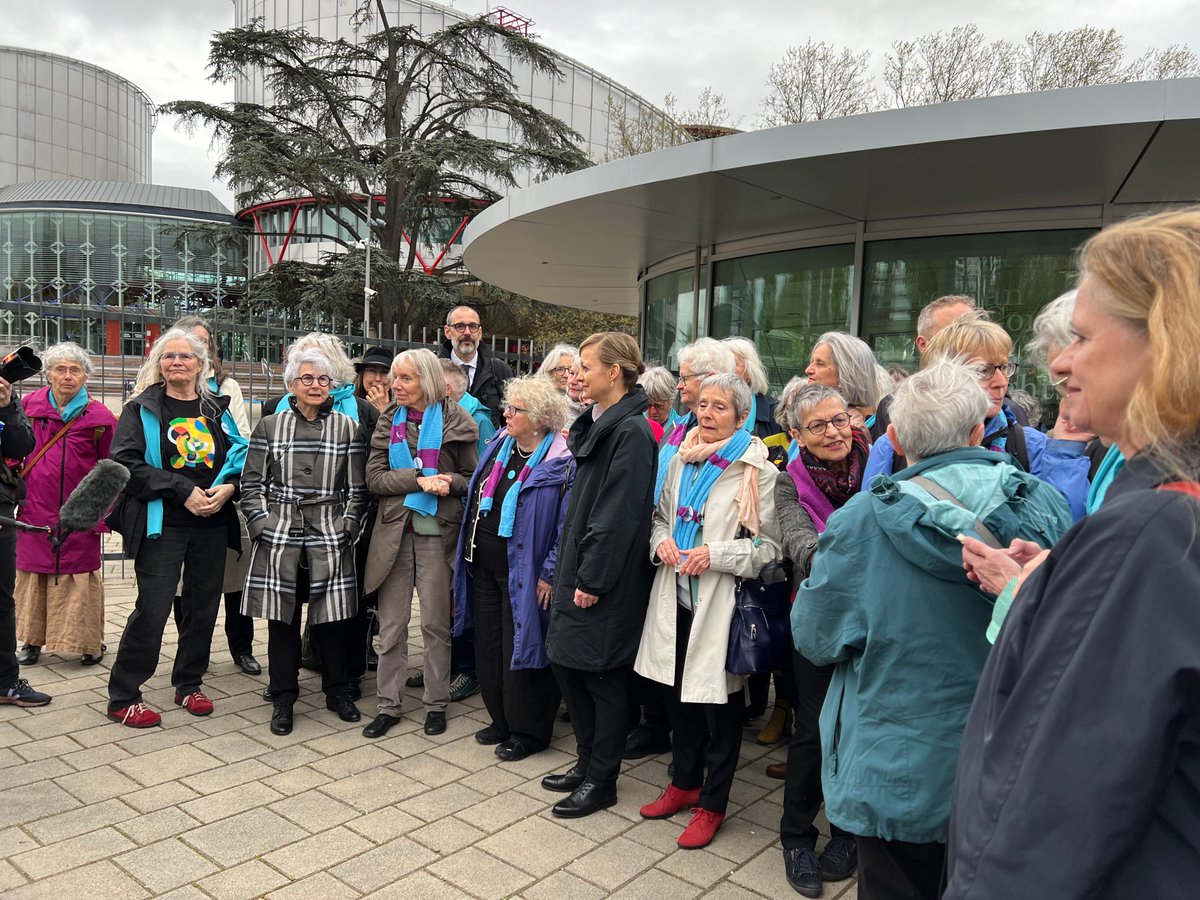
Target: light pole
(367, 295)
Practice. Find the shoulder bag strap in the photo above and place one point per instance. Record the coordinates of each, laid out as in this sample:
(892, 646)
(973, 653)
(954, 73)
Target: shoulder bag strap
(985, 533)
(25, 470)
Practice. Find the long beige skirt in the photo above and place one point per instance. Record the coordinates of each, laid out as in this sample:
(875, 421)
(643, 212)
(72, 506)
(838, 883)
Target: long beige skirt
(63, 614)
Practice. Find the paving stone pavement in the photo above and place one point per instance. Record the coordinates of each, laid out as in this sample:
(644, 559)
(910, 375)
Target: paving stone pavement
(219, 807)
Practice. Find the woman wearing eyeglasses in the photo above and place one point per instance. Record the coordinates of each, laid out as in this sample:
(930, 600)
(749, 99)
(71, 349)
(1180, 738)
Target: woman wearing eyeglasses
(986, 345)
(304, 496)
(184, 454)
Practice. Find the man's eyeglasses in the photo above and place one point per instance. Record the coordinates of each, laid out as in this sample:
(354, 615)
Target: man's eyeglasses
(987, 371)
(684, 379)
(460, 327)
(182, 357)
(310, 380)
(819, 426)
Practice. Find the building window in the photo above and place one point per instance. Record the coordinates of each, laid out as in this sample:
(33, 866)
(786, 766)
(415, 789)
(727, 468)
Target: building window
(784, 302)
(670, 316)
(1012, 275)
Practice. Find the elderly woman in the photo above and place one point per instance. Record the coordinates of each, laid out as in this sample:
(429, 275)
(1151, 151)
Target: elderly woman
(600, 589)
(826, 473)
(304, 498)
(557, 365)
(748, 364)
(59, 592)
(184, 454)
(239, 629)
(1099, 754)
(887, 603)
(422, 454)
(846, 363)
(1062, 463)
(576, 401)
(507, 551)
(659, 384)
(714, 522)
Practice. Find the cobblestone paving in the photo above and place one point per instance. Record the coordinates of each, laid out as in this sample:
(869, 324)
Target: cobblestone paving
(219, 807)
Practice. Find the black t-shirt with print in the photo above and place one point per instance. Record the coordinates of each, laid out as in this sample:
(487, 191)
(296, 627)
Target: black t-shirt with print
(190, 449)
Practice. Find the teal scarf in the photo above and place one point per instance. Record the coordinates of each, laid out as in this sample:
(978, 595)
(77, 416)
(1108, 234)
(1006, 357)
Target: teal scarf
(77, 405)
(508, 510)
(429, 446)
(748, 425)
(674, 438)
(1112, 464)
(235, 458)
(695, 484)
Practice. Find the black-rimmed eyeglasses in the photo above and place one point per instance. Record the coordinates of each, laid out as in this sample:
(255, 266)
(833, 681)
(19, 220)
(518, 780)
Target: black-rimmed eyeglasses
(819, 426)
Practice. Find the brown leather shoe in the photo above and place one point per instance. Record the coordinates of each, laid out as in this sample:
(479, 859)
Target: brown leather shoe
(777, 770)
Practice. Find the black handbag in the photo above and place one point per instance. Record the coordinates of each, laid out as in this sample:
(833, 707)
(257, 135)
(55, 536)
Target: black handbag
(760, 635)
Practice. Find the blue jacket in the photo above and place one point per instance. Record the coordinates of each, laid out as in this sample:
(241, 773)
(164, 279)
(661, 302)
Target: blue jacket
(532, 550)
(483, 419)
(888, 602)
(1060, 463)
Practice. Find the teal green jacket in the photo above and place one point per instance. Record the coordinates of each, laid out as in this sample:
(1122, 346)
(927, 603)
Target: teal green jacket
(889, 604)
(483, 419)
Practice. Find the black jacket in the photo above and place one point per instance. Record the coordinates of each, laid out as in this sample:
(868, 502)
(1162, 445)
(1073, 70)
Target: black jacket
(16, 442)
(1079, 773)
(147, 483)
(605, 544)
(764, 416)
(487, 387)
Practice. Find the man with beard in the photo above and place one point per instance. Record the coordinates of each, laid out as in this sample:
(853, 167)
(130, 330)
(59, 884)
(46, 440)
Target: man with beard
(486, 375)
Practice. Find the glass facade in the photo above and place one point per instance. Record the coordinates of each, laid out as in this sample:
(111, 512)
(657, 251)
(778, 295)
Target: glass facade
(670, 319)
(1012, 275)
(99, 258)
(784, 302)
(62, 118)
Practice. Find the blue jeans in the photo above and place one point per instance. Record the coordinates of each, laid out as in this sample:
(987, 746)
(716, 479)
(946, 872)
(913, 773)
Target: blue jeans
(200, 554)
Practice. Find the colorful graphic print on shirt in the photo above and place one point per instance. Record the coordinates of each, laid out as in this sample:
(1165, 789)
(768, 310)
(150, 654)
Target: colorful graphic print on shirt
(193, 442)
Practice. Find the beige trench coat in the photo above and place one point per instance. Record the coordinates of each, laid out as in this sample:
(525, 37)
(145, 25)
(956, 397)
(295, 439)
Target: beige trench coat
(704, 677)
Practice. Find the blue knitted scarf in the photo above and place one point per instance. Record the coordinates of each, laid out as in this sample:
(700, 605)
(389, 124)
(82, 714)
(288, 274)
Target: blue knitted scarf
(695, 483)
(674, 438)
(429, 446)
(508, 509)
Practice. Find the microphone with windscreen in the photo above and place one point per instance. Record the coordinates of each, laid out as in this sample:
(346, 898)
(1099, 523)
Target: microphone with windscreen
(90, 500)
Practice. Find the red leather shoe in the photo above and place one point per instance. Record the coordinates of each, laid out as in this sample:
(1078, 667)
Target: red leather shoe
(777, 770)
(197, 703)
(700, 831)
(135, 715)
(669, 802)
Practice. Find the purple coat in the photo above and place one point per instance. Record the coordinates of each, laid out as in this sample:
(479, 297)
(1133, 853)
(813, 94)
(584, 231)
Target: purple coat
(53, 478)
(532, 550)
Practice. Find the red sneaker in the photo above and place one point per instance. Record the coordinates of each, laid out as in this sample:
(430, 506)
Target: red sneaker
(669, 802)
(136, 715)
(699, 832)
(197, 703)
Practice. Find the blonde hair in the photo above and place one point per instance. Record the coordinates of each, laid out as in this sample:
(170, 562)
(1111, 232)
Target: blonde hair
(545, 404)
(429, 373)
(151, 371)
(756, 373)
(1148, 272)
(970, 336)
(616, 348)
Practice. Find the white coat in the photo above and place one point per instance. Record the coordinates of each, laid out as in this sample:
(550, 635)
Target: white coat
(704, 677)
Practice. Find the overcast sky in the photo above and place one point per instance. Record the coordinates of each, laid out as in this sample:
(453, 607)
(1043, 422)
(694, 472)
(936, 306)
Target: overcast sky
(676, 46)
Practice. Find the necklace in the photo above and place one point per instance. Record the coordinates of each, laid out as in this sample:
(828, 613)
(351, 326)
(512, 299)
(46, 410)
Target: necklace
(521, 453)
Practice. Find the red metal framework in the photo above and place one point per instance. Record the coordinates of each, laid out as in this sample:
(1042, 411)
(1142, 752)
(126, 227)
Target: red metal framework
(506, 18)
(295, 204)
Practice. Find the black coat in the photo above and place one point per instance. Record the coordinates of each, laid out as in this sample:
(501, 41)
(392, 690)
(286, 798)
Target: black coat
(491, 375)
(16, 442)
(1079, 773)
(764, 416)
(605, 544)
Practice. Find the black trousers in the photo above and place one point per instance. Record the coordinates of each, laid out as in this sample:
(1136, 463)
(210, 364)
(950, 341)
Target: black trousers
(699, 763)
(239, 629)
(358, 630)
(10, 670)
(802, 795)
(599, 706)
(283, 649)
(200, 553)
(897, 870)
(648, 703)
(521, 702)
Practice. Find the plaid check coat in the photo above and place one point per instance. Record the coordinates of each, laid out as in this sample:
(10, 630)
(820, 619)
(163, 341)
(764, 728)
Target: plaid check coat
(304, 488)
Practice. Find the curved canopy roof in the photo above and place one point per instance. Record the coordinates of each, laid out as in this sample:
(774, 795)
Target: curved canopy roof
(148, 199)
(583, 239)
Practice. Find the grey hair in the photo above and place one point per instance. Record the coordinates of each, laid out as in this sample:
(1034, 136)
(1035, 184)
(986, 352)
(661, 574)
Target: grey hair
(786, 398)
(545, 404)
(556, 353)
(861, 379)
(454, 309)
(707, 356)
(935, 409)
(925, 317)
(334, 351)
(733, 385)
(1052, 327)
(806, 398)
(429, 373)
(756, 372)
(151, 371)
(659, 384)
(67, 351)
(312, 357)
(451, 371)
